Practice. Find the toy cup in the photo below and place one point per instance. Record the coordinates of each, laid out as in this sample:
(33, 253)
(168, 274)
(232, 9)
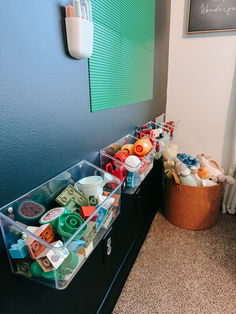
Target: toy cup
(93, 185)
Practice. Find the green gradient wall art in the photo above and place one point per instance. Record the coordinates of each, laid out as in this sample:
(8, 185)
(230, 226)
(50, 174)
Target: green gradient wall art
(122, 64)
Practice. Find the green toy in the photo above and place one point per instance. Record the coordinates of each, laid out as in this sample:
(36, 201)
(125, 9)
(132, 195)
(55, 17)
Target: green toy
(65, 268)
(52, 217)
(70, 193)
(68, 224)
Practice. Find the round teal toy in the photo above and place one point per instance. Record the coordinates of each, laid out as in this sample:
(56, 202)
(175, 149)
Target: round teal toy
(68, 224)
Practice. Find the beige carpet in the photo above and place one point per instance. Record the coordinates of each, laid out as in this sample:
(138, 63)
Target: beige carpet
(182, 271)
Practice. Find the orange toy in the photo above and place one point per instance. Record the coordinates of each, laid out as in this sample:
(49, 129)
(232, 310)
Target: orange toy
(45, 232)
(143, 146)
(202, 173)
(128, 149)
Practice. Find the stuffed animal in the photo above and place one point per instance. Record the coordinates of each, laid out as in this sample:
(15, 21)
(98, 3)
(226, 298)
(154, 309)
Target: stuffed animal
(215, 173)
(199, 180)
(180, 168)
(188, 160)
(170, 152)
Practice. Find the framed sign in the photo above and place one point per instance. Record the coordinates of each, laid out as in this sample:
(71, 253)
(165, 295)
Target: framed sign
(211, 16)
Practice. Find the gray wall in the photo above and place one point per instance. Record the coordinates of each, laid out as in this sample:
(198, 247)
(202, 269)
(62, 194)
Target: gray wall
(45, 121)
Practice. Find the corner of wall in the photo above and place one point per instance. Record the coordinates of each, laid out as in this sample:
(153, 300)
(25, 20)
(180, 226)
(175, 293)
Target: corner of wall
(162, 33)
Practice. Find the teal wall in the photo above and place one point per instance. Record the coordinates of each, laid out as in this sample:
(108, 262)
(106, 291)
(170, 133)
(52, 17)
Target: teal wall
(45, 121)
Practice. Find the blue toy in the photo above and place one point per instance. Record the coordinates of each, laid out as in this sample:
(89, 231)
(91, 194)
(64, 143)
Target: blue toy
(18, 250)
(101, 216)
(133, 179)
(75, 246)
(189, 161)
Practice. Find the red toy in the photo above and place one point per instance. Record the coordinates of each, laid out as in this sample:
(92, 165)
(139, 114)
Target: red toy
(120, 172)
(169, 126)
(120, 156)
(87, 211)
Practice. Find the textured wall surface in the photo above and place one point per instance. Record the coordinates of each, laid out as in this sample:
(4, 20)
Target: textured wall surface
(121, 67)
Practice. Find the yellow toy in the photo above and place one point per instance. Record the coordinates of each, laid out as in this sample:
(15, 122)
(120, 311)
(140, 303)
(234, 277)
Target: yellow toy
(128, 149)
(143, 146)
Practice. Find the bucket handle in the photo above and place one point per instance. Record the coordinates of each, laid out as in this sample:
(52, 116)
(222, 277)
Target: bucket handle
(215, 163)
(176, 178)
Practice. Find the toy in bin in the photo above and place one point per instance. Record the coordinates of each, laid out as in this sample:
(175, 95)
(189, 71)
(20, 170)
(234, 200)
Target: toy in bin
(131, 162)
(158, 135)
(57, 240)
(168, 123)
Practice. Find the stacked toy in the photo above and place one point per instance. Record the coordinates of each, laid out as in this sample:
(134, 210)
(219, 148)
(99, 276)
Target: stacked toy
(77, 210)
(193, 170)
(128, 161)
(159, 134)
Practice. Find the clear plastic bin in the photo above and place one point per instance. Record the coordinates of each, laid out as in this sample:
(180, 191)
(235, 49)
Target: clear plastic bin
(131, 171)
(170, 122)
(50, 231)
(157, 134)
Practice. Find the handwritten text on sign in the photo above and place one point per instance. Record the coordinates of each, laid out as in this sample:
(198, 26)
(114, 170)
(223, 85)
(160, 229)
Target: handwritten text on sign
(218, 6)
(211, 16)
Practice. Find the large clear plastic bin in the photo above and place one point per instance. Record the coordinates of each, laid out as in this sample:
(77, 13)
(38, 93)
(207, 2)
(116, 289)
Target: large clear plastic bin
(131, 174)
(157, 134)
(51, 231)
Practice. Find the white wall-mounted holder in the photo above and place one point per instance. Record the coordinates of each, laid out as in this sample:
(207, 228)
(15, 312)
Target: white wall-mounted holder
(79, 34)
